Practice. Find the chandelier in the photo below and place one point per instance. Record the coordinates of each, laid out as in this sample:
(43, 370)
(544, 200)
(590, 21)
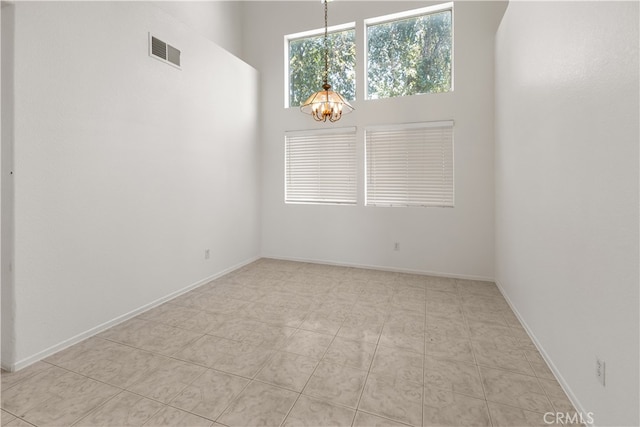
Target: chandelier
(326, 104)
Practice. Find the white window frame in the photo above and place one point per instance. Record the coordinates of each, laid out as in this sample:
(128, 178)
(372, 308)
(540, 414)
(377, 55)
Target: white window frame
(396, 185)
(303, 35)
(333, 163)
(398, 17)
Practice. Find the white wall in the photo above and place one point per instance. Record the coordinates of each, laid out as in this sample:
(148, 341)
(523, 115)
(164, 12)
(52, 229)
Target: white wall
(219, 21)
(126, 169)
(6, 185)
(567, 191)
(456, 241)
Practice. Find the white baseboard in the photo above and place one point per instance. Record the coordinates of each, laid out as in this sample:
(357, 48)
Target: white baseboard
(381, 268)
(565, 386)
(106, 325)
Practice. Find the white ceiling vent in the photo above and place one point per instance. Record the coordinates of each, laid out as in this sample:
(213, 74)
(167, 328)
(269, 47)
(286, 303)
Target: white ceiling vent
(163, 51)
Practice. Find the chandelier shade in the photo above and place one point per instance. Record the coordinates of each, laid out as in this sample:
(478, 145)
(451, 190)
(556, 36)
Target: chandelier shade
(326, 104)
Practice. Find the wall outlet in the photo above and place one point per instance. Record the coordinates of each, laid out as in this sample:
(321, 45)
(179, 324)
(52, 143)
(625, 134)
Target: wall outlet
(600, 371)
(396, 246)
(206, 254)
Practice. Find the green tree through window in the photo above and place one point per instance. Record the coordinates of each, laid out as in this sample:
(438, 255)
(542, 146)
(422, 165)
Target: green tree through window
(306, 66)
(409, 56)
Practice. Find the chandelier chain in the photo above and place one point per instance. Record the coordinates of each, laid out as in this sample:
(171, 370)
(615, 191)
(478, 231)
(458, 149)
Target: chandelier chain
(326, 44)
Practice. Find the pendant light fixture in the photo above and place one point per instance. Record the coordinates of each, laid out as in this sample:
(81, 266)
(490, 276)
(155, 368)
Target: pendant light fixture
(326, 104)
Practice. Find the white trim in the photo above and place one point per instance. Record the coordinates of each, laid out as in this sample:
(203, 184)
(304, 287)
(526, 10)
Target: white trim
(320, 31)
(408, 14)
(327, 131)
(111, 323)
(414, 125)
(556, 373)
(380, 268)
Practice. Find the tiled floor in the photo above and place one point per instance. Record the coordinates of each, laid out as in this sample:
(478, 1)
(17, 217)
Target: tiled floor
(284, 343)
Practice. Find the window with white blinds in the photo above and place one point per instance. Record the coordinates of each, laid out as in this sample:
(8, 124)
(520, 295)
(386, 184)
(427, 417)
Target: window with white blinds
(321, 166)
(410, 165)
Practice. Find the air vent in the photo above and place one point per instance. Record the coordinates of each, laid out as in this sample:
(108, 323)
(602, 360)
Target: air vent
(164, 51)
(173, 55)
(158, 48)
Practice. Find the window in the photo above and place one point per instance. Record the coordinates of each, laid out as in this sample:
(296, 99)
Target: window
(321, 166)
(410, 53)
(306, 63)
(410, 165)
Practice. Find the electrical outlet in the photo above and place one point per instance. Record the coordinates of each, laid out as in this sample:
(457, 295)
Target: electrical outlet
(396, 246)
(600, 371)
(206, 254)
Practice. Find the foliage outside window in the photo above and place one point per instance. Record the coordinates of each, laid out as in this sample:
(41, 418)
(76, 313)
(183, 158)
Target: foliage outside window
(306, 65)
(409, 56)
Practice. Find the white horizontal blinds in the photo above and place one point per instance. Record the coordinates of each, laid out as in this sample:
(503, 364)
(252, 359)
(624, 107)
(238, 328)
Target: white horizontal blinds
(410, 165)
(321, 166)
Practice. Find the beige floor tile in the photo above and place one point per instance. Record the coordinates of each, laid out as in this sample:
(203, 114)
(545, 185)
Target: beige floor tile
(240, 358)
(9, 379)
(6, 418)
(509, 416)
(38, 388)
(356, 354)
(487, 331)
(435, 296)
(393, 398)
(204, 351)
(307, 343)
(210, 394)
(151, 336)
(457, 377)
(557, 396)
(443, 284)
(338, 384)
(202, 322)
(494, 355)
(312, 413)
(273, 314)
(361, 328)
(477, 287)
(413, 343)
(322, 323)
(444, 408)
(447, 328)
(269, 336)
(401, 364)
(510, 388)
(480, 315)
(483, 303)
(125, 409)
(107, 361)
(259, 405)
(210, 302)
(169, 314)
(364, 419)
(442, 346)
(439, 347)
(542, 371)
(166, 381)
(172, 417)
(444, 309)
(71, 401)
(288, 370)
(17, 422)
(234, 328)
(511, 319)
